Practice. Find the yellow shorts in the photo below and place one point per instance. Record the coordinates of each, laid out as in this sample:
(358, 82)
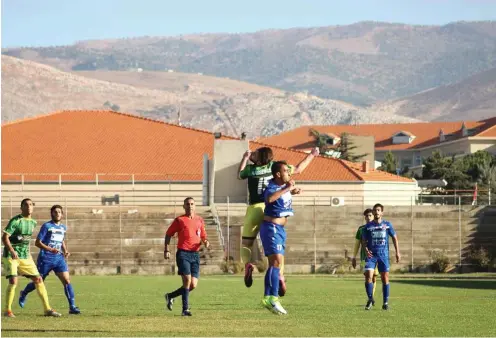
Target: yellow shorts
(253, 218)
(23, 267)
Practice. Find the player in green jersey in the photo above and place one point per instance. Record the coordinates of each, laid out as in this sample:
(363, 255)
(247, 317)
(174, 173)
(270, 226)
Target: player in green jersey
(258, 175)
(368, 215)
(17, 258)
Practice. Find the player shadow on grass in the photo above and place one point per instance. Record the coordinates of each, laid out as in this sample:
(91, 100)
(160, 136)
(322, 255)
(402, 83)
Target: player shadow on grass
(456, 283)
(52, 330)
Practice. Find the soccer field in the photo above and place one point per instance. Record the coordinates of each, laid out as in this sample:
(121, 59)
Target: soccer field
(223, 306)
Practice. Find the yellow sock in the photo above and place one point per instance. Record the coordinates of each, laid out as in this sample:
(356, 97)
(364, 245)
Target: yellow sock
(245, 254)
(10, 297)
(281, 267)
(42, 292)
(373, 291)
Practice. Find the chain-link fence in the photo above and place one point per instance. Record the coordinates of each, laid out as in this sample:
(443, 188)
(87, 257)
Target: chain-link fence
(432, 230)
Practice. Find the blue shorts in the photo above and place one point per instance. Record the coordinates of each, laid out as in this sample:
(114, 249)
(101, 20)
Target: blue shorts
(188, 263)
(381, 262)
(273, 238)
(54, 263)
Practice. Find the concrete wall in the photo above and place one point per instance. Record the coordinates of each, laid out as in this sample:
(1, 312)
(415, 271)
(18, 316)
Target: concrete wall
(117, 241)
(227, 155)
(325, 235)
(83, 194)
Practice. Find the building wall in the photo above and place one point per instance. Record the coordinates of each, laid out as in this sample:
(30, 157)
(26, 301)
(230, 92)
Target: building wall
(449, 149)
(487, 145)
(365, 145)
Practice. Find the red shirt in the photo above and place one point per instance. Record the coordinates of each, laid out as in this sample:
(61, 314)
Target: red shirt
(190, 232)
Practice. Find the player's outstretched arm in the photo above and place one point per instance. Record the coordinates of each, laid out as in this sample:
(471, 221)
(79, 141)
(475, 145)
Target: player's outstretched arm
(242, 164)
(396, 248)
(303, 164)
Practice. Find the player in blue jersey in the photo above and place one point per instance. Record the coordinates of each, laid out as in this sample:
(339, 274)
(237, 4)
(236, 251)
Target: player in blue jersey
(278, 207)
(53, 251)
(375, 240)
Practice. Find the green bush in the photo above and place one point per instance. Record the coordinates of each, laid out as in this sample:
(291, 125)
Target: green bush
(231, 266)
(440, 262)
(479, 257)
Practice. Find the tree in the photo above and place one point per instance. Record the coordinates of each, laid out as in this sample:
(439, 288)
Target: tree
(389, 164)
(322, 140)
(345, 148)
(438, 166)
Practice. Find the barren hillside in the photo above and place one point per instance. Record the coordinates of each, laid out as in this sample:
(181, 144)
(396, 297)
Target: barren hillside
(214, 104)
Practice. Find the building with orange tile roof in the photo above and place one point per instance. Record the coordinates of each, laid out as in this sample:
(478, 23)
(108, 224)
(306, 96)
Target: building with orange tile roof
(113, 151)
(409, 142)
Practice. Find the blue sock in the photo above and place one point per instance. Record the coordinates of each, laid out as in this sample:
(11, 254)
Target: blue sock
(274, 281)
(385, 292)
(69, 293)
(176, 293)
(185, 297)
(267, 281)
(369, 288)
(30, 287)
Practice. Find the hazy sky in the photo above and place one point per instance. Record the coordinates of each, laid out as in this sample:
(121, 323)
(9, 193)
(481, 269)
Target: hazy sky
(59, 22)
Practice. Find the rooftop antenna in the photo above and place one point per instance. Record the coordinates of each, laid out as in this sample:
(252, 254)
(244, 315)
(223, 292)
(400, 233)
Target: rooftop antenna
(179, 115)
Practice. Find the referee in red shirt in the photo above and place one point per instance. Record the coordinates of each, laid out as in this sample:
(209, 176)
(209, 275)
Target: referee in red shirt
(190, 230)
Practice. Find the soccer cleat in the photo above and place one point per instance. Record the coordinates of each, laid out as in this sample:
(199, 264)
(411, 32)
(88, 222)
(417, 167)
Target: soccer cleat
(277, 307)
(248, 275)
(186, 313)
(52, 313)
(385, 306)
(266, 303)
(282, 286)
(22, 298)
(9, 314)
(74, 310)
(369, 304)
(169, 301)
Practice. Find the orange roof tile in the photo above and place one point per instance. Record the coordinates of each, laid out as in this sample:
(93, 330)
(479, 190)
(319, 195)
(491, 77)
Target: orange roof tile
(118, 145)
(426, 133)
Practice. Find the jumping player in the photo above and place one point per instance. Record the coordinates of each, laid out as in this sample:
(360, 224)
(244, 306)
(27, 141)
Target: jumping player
(278, 207)
(258, 175)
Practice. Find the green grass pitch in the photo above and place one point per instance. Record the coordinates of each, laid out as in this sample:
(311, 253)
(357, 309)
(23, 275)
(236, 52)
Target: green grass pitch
(223, 306)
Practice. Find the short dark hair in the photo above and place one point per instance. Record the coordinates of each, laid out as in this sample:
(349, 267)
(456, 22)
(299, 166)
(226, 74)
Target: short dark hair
(378, 205)
(368, 211)
(276, 167)
(187, 199)
(25, 201)
(56, 206)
